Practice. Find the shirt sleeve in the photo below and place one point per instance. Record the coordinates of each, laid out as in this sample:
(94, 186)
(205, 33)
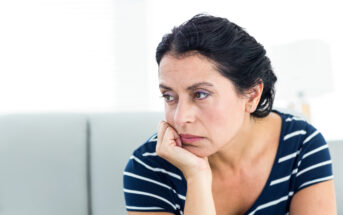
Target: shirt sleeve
(315, 165)
(145, 186)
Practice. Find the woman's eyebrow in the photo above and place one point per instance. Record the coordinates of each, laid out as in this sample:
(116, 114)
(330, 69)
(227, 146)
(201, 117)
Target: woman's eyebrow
(200, 84)
(190, 88)
(165, 87)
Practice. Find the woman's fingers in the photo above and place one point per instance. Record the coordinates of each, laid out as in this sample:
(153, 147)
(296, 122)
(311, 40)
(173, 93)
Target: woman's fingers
(173, 136)
(169, 147)
(178, 142)
(170, 136)
(162, 128)
(167, 139)
(160, 133)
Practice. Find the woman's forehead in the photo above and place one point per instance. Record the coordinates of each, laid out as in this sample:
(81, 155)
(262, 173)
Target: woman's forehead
(175, 78)
(190, 87)
(190, 58)
(193, 66)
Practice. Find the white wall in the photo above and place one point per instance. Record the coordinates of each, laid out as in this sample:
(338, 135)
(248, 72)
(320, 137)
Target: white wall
(57, 55)
(98, 55)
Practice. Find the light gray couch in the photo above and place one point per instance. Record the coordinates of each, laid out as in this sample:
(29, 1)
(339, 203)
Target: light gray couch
(72, 163)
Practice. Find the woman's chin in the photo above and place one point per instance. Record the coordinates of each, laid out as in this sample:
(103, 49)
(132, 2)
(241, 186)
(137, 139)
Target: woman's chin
(196, 150)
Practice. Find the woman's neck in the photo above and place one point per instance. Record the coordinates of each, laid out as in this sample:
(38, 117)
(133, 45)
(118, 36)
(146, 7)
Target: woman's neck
(245, 148)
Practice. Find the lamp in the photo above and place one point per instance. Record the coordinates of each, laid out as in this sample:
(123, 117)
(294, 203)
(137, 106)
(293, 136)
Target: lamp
(304, 70)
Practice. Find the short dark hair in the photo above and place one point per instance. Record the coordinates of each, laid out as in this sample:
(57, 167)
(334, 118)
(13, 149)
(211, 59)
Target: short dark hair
(236, 54)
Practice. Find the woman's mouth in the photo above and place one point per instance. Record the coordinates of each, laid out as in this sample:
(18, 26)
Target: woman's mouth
(188, 138)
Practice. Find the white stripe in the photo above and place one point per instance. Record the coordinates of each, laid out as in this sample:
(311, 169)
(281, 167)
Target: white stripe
(181, 196)
(295, 171)
(310, 137)
(178, 207)
(299, 163)
(277, 181)
(149, 154)
(153, 138)
(295, 133)
(155, 169)
(315, 151)
(271, 203)
(287, 157)
(143, 208)
(294, 118)
(150, 194)
(147, 179)
(283, 179)
(155, 182)
(316, 180)
(314, 166)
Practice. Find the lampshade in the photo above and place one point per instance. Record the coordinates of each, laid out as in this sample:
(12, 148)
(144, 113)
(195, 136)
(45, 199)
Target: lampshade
(302, 67)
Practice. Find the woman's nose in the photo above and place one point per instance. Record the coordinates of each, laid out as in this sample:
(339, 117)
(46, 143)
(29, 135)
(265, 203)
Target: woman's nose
(184, 113)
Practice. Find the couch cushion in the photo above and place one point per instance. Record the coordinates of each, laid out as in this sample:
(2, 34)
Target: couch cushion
(113, 139)
(43, 164)
(336, 150)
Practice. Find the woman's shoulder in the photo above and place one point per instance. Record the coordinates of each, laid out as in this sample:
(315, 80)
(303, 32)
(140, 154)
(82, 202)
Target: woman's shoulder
(148, 147)
(293, 125)
(298, 136)
(145, 153)
(306, 151)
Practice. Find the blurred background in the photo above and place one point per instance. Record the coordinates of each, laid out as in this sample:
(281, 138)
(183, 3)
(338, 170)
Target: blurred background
(98, 55)
(79, 89)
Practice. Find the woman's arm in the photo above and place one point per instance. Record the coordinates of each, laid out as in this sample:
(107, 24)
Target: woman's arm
(197, 171)
(199, 198)
(316, 199)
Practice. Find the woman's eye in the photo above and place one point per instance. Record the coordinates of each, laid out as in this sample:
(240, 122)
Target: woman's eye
(168, 98)
(201, 95)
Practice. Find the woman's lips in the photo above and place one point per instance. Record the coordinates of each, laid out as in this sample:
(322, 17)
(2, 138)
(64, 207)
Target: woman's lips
(188, 138)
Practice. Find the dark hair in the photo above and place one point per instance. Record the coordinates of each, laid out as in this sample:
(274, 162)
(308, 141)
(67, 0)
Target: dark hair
(236, 54)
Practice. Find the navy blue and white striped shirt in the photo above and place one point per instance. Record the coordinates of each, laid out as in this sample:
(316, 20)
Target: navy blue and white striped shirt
(303, 159)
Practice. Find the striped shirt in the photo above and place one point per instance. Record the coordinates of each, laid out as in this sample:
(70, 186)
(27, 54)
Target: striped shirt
(302, 159)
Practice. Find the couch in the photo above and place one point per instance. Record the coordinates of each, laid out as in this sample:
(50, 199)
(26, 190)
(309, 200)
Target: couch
(72, 163)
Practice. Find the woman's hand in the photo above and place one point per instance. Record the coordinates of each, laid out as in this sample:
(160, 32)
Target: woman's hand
(169, 147)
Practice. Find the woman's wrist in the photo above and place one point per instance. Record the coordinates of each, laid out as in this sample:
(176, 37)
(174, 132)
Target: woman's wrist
(200, 177)
(199, 198)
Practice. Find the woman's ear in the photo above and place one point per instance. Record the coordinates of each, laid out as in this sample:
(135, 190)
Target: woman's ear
(254, 96)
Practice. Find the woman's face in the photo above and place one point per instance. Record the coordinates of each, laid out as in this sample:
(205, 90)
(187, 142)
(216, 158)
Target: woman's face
(199, 101)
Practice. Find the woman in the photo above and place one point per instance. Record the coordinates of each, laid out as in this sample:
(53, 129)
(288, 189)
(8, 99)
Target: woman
(222, 149)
